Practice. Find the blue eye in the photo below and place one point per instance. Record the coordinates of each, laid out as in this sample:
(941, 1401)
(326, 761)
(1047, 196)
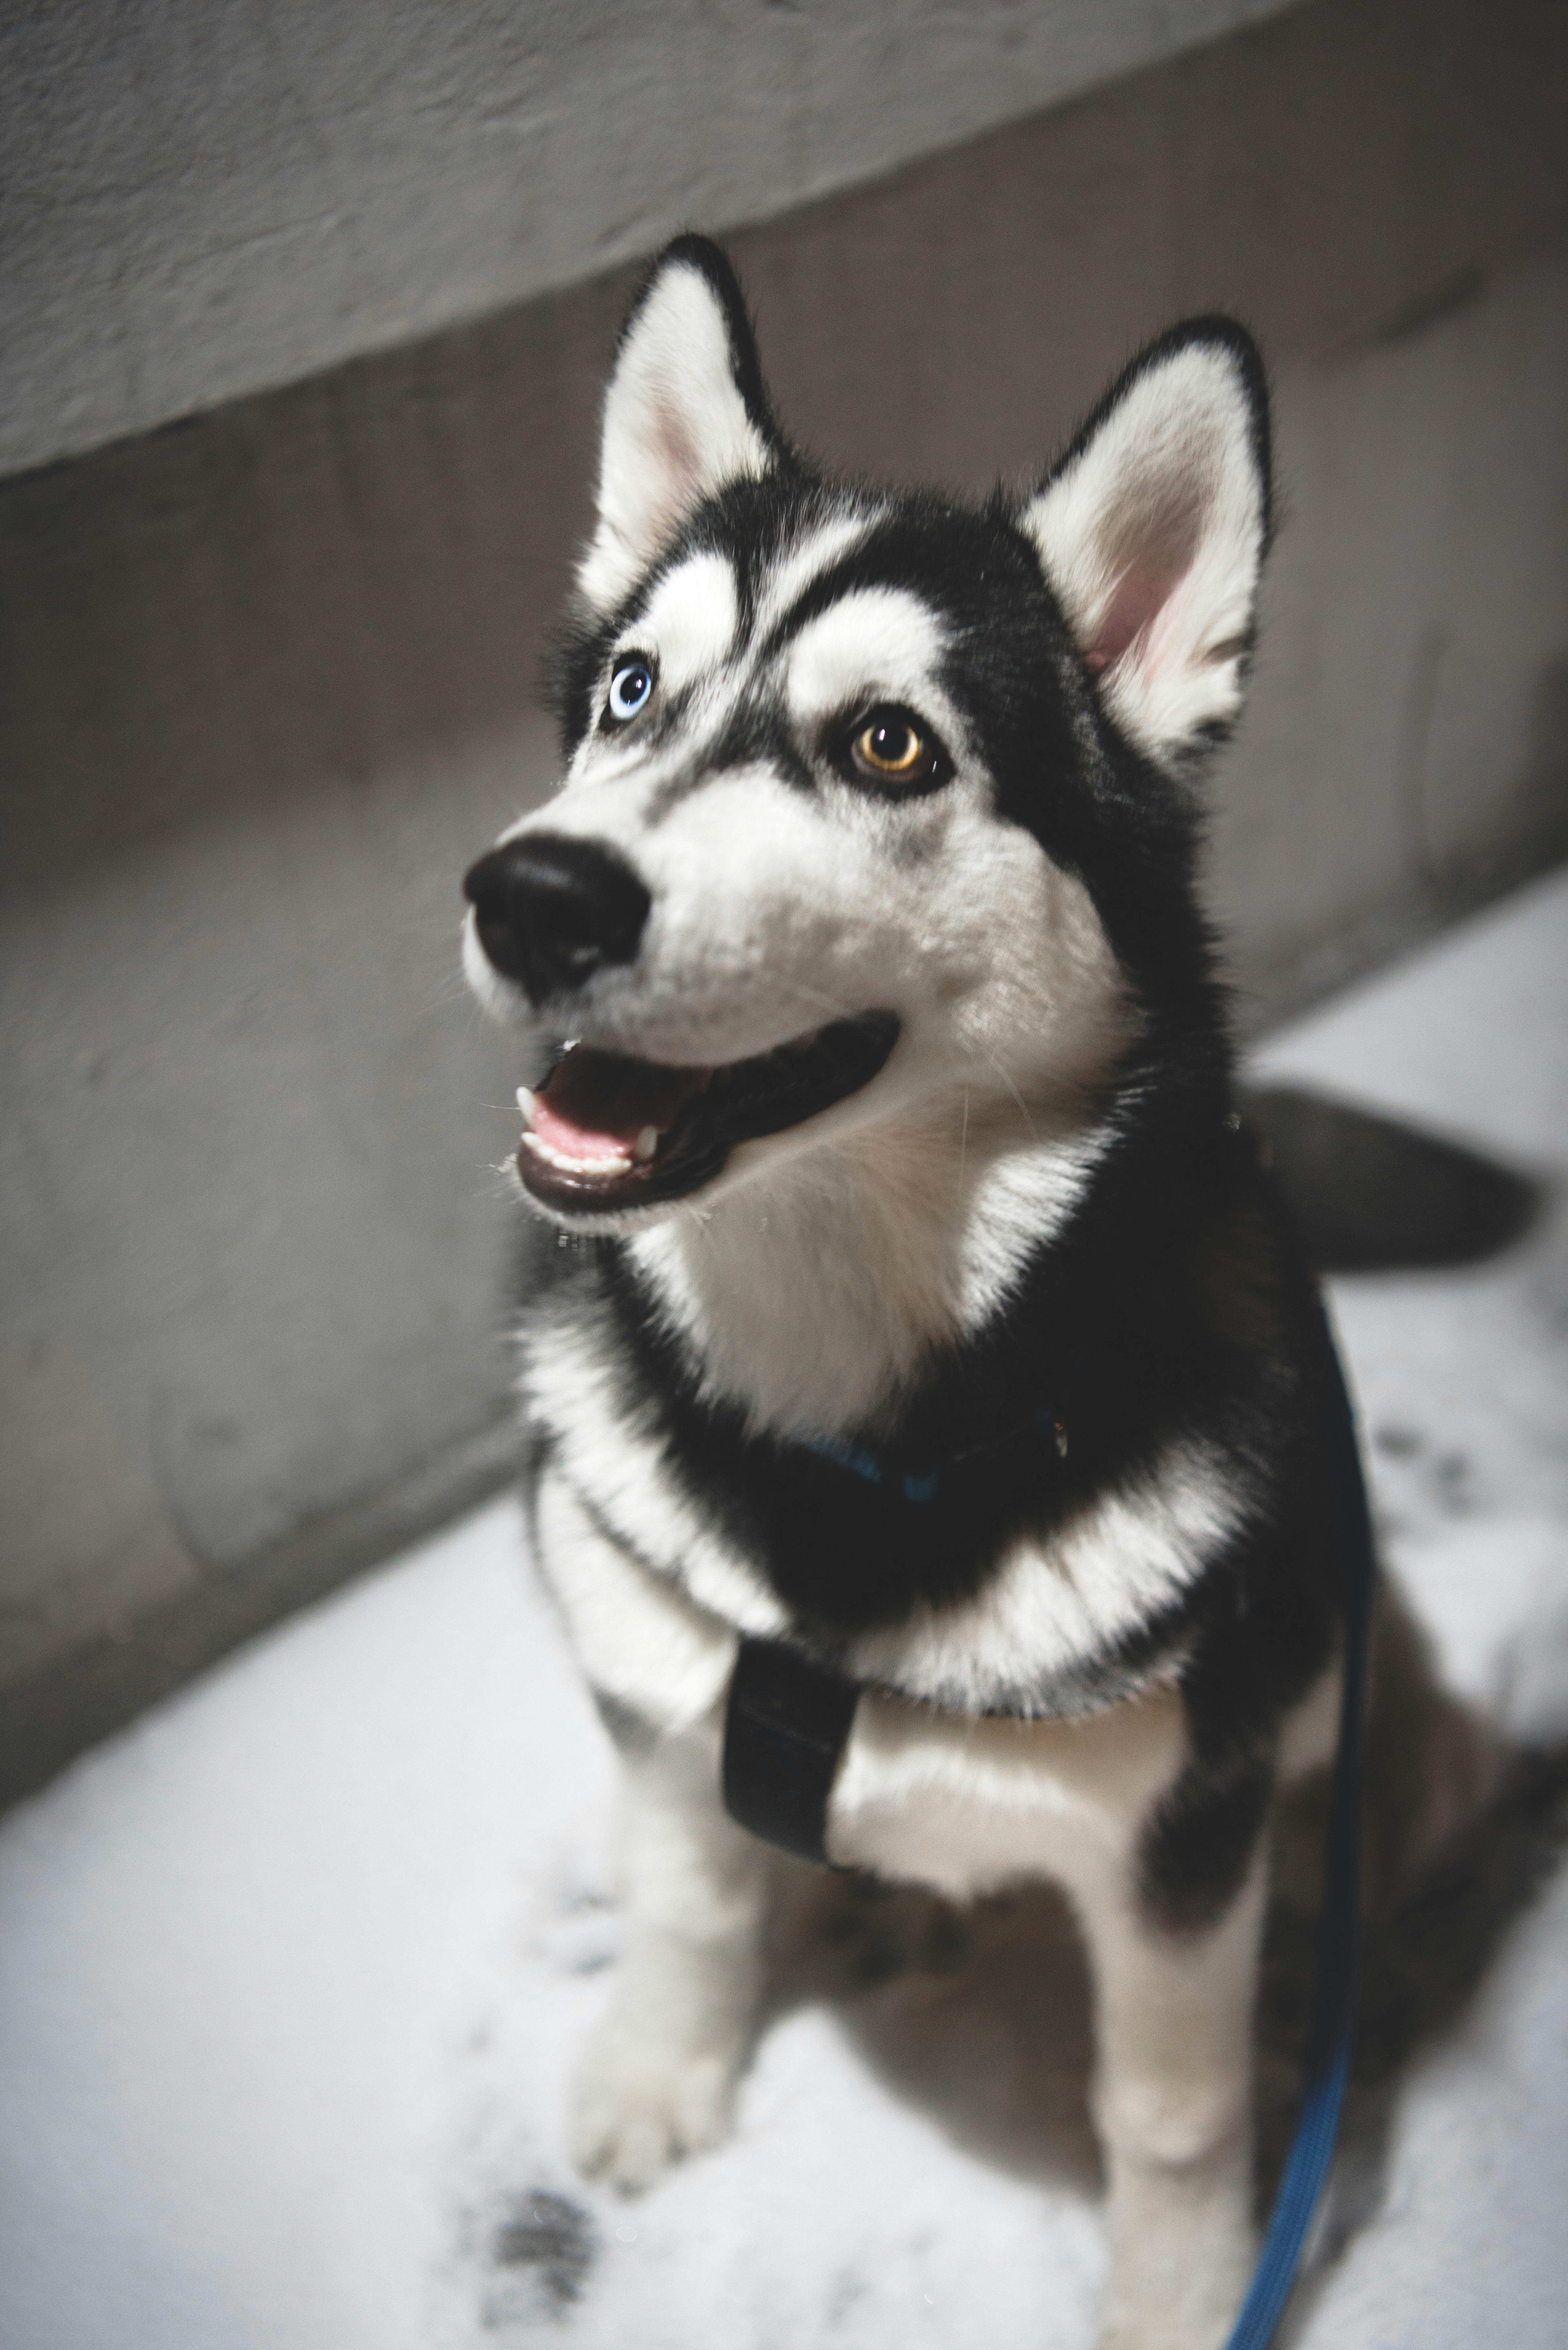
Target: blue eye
(630, 686)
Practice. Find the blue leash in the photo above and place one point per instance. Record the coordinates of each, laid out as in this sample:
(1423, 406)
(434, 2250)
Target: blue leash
(1312, 2148)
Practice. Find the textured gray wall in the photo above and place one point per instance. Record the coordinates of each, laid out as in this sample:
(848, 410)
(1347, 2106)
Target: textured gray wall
(203, 198)
(268, 682)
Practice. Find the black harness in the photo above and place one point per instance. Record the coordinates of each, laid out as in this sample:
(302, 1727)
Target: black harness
(786, 1729)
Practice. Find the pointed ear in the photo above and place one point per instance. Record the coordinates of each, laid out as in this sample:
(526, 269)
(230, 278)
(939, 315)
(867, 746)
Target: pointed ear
(685, 413)
(1152, 532)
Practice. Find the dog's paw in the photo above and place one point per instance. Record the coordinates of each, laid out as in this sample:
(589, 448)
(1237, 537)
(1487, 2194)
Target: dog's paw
(1168, 2329)
(1199, 2317)
(636, 2109)
(1159, 2333)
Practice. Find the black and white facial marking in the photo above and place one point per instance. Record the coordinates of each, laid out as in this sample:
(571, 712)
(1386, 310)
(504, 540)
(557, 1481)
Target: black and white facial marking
(781, 744)
(860, 880)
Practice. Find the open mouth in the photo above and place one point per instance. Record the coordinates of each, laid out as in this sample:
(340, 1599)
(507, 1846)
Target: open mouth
(603, 1132)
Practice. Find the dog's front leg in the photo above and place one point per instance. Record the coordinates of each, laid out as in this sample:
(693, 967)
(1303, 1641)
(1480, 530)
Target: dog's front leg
(1173, 2109)
(659, 2078)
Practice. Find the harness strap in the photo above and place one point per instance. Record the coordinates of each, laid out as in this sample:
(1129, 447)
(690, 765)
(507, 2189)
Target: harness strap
(786, 1729)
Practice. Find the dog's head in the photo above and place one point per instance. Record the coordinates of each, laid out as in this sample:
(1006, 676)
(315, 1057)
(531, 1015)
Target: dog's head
(875, 804)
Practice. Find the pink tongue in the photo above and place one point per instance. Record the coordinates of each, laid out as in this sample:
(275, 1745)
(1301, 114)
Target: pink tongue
(594, 1105)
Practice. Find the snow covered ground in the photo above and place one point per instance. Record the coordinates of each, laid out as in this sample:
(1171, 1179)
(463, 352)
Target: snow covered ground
(292, 1972)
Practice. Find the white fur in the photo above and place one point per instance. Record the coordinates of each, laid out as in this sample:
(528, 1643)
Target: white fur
(877, 643)
(1050, 1608)
(1102, 1575)
(811, 1292)
(641, 1641)
(967, 1805)
(813, 555)
(570, 1389)
(497, 996)
(775, 913)
(691, 617)
(658, 2080)
(915, 1233)
(676, 429)
(1172, 2102)
(1022, 1198)
(1153, 540)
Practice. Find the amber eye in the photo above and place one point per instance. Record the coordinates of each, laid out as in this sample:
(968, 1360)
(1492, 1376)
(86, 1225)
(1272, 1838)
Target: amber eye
(890, 748)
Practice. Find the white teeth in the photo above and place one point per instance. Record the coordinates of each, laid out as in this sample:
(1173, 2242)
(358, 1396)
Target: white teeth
(525, 1103)
(646, 1143)
(618, 1165)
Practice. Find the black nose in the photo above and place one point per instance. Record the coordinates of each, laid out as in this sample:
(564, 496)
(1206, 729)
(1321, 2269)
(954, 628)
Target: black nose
(551, 912)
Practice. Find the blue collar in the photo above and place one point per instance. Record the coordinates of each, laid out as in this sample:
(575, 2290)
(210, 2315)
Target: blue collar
(922, 1485)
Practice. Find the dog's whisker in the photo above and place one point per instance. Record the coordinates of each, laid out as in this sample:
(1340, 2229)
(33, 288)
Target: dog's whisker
(815, 996)
(1018, 1098)
(450, 987)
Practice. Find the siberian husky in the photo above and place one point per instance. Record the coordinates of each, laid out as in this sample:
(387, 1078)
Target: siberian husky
(932, 1332)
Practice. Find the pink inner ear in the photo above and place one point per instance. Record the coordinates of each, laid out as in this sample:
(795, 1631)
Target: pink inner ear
(1148, 557)
(677, 460)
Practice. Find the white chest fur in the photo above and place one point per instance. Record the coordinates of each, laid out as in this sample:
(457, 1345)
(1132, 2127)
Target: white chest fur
(965, 1805)
(960, 1803)
(1052, 1607)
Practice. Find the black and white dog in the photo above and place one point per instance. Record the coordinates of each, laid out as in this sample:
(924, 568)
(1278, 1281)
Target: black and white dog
(932, 1326)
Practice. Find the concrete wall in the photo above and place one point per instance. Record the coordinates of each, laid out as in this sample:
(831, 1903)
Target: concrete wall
(268, 682)
(203, 198)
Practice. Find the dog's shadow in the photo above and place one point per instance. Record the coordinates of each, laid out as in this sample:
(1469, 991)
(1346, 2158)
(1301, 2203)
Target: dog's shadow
(984, 2017)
